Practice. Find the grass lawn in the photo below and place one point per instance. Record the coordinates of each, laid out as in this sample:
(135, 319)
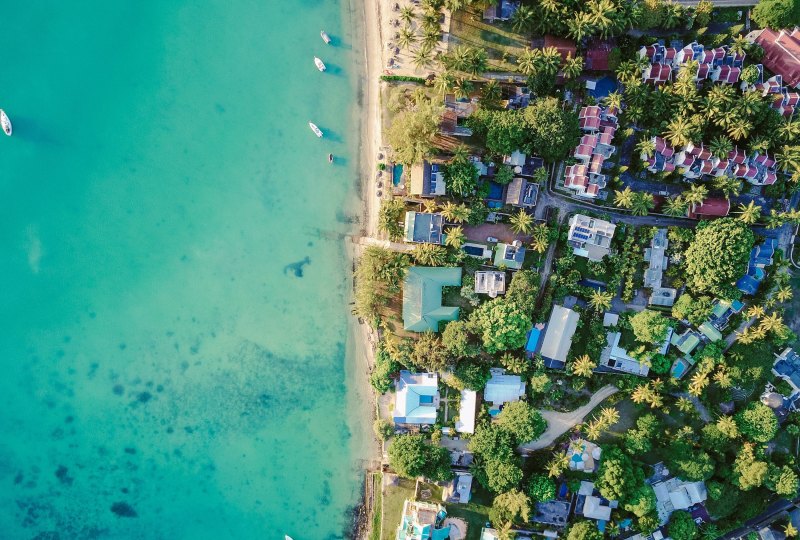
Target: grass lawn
(377, 513)
(476, 513)
(628, 413)
(393, 499)
(502, 45)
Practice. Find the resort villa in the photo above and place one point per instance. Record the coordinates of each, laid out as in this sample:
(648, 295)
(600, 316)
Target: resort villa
(459, 490)
(509, 256)
(427, 180)
(502, 388)
(591, 505)
(422, 297)
(590, 237)
(423, 521)
(423, 227)
(416, 399)
(676, 494)
(558, 337)
(521, 193)
(490, 282)
(614, 358)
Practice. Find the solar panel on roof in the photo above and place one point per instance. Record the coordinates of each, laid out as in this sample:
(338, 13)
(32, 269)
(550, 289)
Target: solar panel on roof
(583, 230)
(581, 236)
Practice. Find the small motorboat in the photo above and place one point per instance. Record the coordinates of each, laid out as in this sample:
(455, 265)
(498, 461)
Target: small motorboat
(287, 537)
(330, 158)
(315, 129)
(325, 37)
(5, 122)
(320, 64)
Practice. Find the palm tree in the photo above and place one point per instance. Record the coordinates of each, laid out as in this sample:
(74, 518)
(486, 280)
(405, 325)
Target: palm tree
(593, 430)
(455, 237)
(429, 206)
(462, 88)
(771, 322)
(406, 38)
(755, 311)
(723, 378)
(449, 212)
(422, 58)
(740, 130)
(522, 222)
(583, 366)
(624, 198)
(675, 206)
(429, 254)
(673, 15)
(789, 158)
(614, 99)
(679, 131)
(698, 383)
(739, 45)
(642, 203)
(600, 300)
(641, 394)
(580, 26)
(684, 405)
(775, 219)
(695, 195)
(750, 214)
(572, 67)
(539, 237)
(407, 14)
(443, 82)
(790, 530)
(789, 131)
(431, 37)
(548, 61)
(646, 147)
(721, 145)
(557, 464)
(478, 62)
(491, 92)
(728, 185)
(602, 12)
(609, 416)
(459, 58)
(527, 60)
(522, 19)
(784, 293)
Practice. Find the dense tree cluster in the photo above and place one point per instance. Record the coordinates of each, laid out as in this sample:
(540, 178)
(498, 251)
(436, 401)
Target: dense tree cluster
(718, 256)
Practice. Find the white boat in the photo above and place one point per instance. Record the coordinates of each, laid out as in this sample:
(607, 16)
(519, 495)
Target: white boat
(287, 537)
(320, 64)
(315, 129)
(5, 122)
(325, 37)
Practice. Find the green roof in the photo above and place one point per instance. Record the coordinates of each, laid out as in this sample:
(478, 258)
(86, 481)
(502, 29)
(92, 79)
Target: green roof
(422, 297)
(685, 342)
(710, 332)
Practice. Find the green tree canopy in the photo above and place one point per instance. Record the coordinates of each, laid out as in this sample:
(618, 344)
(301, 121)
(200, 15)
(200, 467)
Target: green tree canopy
(617, 477)
(456, 340)
(749, 471)
(718, 256)
(777, 14)
(503, 132)
(541, 488)
(503, 325)
(410, 456)
(649, 326)
(461, 175)
(757, 422)
(471, 374)
(522, 421)
(508, 507)
(500, 475)
(523, 289)
(643, 501)
(682, 526)
(584, 530)
(413, 130)
(696, 311)
(552, 131)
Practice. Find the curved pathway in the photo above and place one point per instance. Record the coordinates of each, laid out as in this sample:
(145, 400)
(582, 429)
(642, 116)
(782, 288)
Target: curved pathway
(559, 423)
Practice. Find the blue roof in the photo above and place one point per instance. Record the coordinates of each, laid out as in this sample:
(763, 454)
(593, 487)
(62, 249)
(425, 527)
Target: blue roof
(533, 340)
(748, 285)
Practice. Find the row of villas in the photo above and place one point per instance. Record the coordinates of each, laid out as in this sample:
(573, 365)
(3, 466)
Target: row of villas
(719, 65)
(695, 161)
(599, 125)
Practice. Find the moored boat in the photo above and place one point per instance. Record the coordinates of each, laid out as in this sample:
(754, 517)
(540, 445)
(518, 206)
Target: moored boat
(5, 122)
(319, 63)
(330, 158)
(315, 129)
(325, 37)
(287, 537)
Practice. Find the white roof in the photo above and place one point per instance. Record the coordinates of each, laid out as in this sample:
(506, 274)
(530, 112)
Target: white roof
(610, 319)
(463, 487)
(503, 388)
(558, 336)
(466, 412)
(586, 488)
(416, 398)
(593, 508)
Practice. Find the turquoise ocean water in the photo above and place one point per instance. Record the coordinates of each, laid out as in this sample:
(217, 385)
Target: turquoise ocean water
(174, 297)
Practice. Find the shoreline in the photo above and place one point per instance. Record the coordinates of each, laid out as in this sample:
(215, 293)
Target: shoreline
(364, 340)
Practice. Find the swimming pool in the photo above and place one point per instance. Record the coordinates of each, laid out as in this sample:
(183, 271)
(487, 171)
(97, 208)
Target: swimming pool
(495, 191)
(603, 87)
(397, 173)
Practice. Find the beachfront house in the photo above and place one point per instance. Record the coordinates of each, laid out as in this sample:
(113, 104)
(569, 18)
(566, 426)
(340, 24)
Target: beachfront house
(558, 337)
(423, 521)
(424, 227)
(422, 297)
(416, 399)
(502, 388)
(427, 180)
(590, 237)
(490, 282)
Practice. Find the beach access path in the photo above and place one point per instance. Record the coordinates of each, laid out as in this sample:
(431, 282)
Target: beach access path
(559, 423)
(372, 133)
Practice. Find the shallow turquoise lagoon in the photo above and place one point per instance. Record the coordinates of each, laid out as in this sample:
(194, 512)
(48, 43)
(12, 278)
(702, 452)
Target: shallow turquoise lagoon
(174, 292)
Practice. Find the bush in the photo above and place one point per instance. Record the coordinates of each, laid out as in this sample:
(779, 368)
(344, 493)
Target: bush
(402, 78)
(383, 429)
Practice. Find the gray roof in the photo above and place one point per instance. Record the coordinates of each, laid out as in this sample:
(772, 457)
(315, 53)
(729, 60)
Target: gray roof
(558, 336)
(423, 227)
(522, 193)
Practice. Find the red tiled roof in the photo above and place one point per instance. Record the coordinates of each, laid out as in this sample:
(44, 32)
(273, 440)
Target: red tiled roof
(702, 71)
(590, 140)
(584, 150)
(592, 189)
(605, 138)
(781, 53)
(712, 207)
(728, 74)
(591, 123)
(706, 166)
(770, 178)
(669, 167)
(669, 53)
(597, 56)
(737, 156)
(576, 170)
(589, 112)
(658, 73)
(684, 159)
(564, 46)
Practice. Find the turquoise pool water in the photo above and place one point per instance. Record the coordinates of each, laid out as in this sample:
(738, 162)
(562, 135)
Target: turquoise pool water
(397, 173)
(175, 350)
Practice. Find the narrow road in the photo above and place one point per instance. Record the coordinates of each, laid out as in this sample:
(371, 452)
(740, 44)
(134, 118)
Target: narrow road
(559, 423)
(705, 416)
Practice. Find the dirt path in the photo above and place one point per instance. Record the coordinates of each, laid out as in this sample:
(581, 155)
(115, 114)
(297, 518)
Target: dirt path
(559, 423)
